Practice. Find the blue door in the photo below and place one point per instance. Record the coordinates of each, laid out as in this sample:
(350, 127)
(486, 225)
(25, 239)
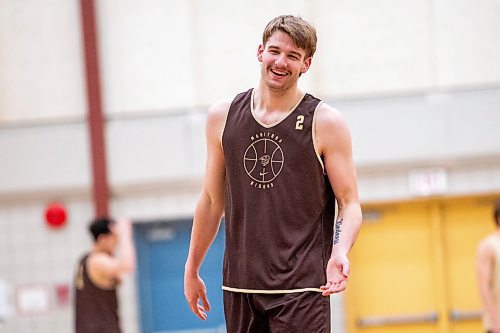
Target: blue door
(162, 249)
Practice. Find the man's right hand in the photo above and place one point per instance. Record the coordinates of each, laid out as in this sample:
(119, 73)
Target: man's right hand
(194, 290)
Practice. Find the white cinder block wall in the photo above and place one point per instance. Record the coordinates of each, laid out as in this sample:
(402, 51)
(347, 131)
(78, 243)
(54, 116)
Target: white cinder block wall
(33, 255)
(419, 83)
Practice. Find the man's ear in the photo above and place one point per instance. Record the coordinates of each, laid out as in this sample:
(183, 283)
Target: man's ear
(100, 238)
(307, 65)
(260, 50)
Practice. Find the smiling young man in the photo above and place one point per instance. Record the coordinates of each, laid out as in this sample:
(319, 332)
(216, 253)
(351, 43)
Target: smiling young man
(277, 158)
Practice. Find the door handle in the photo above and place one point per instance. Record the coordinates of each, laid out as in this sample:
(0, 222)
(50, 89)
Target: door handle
(429, 317)
(461, 315)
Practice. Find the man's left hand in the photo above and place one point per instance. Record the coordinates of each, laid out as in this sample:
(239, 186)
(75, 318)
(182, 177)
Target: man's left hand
(337, 273)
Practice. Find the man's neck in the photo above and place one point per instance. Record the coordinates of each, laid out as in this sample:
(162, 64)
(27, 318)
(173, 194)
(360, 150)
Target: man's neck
(269, 101)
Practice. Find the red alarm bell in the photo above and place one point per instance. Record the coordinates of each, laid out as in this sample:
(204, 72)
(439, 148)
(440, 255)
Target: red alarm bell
(55, 215)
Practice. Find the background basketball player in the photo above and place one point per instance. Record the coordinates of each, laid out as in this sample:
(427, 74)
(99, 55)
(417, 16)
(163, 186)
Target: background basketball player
(99, 273)
(488, 273)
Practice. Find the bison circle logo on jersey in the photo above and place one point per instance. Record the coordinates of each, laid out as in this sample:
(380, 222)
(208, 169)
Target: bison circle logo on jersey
(263, 160)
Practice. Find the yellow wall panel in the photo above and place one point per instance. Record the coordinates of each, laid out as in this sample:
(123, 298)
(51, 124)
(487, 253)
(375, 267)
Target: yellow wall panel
(466, 222)
(392, 272)
(413, 267)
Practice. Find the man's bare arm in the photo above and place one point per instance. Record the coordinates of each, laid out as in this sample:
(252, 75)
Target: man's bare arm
(105, 269)
(484, 270)
(334, 144)
(208, 212)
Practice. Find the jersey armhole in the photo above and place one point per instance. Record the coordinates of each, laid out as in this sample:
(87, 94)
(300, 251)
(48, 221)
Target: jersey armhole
(314, 138)
(224, 126)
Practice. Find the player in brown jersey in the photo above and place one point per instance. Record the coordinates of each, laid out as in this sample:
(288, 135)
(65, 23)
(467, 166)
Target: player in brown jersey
(488, 274)
(98, 274)
(277, 159)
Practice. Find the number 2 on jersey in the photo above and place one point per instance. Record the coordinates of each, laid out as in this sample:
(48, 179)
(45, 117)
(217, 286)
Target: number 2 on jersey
(299, 124)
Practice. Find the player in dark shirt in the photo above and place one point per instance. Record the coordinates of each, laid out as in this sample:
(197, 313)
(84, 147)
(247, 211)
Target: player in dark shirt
(277, 159)
(98, 274)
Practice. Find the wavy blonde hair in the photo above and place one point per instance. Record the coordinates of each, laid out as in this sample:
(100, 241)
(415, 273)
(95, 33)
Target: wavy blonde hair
(302, 33)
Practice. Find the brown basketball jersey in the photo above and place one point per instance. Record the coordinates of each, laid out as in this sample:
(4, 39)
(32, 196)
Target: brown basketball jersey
(279, 205)
(96, 309)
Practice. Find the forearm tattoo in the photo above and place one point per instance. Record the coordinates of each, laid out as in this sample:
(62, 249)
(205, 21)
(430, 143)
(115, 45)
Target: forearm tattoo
(338, 230)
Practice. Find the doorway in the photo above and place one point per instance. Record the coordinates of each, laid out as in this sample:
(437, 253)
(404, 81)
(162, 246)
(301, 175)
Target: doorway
(162, 248)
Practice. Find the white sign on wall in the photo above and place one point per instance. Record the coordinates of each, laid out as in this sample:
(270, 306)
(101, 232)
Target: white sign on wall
(33, 300)
(429, 181)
